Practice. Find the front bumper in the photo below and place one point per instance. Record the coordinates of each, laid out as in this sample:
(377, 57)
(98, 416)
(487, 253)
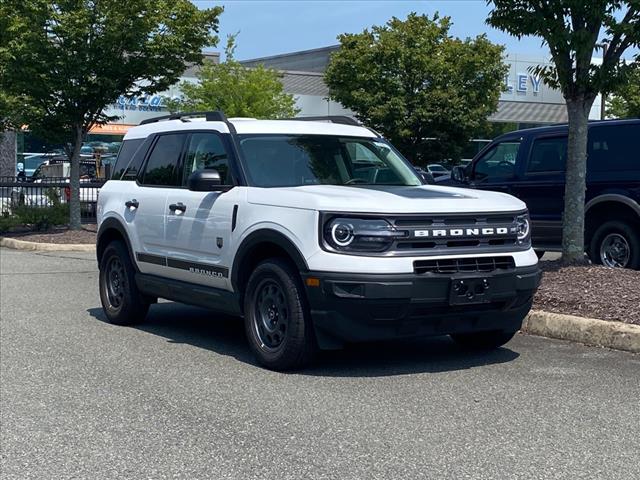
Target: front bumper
(359, 307)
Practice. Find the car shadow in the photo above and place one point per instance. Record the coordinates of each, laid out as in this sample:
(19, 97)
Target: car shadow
(224, 335)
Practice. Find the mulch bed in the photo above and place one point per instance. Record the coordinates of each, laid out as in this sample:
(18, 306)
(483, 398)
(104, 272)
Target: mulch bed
(57, 235)
(590, 291)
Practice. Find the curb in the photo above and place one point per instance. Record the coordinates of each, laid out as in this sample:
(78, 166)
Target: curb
(45, 247)
(590, 331)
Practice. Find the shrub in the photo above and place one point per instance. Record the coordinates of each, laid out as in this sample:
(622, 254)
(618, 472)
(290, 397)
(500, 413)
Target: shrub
(41, 218)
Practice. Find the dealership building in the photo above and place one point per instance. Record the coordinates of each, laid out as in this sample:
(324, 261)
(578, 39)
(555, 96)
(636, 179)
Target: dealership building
(525, 102)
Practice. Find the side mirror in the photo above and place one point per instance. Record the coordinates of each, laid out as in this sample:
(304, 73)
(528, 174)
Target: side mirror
(458, 174)
(204, 181)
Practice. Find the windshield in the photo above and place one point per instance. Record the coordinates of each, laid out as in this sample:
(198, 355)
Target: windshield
(296, 160)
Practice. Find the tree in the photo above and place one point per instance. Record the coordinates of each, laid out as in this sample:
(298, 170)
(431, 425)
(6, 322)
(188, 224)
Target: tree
(236, 90)
(624, 102)
(72, 58)
(574, 30)
(412, 81)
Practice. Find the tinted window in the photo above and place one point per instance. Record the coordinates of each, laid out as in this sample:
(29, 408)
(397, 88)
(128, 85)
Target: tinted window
(206, 152)
(614, 148)
(163, 161)
(548, 155)
(283, 160)
(497, 162)
(127, 150)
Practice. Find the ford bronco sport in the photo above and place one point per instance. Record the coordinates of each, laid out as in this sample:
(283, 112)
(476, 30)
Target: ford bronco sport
(316, 232)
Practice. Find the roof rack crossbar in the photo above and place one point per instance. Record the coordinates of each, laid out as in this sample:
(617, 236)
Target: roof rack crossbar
(341, 119)
(215, 116)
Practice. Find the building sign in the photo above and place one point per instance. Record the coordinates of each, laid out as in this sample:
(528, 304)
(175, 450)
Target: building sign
(521, 84)
(143, 103)
(525, 82)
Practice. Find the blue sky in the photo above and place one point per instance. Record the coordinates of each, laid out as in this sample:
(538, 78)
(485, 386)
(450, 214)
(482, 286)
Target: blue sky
(271, 27)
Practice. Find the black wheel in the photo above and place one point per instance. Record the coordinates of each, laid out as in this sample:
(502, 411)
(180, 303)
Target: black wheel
(616, 244)
(121, 301)
(540, 254)
(276, 319)
(482, 340)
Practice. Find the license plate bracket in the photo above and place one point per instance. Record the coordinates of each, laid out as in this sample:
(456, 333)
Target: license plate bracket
(469, 291)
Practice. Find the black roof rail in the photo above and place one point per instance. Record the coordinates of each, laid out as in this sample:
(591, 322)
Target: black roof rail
(215, 116)
(341, 119)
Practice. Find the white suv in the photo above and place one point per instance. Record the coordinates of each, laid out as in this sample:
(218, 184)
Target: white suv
(316, 232)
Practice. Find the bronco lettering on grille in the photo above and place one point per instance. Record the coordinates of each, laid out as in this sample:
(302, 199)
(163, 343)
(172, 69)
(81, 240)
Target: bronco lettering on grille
(463, 232)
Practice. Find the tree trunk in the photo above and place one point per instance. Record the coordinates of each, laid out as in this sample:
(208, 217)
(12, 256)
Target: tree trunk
(8, 154)
(74, 202)
(574, 193)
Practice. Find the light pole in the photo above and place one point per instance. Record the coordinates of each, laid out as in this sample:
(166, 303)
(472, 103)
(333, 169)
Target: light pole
(603, 94)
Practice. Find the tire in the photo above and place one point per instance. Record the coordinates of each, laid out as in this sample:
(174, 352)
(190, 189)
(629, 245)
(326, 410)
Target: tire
(482, 340)
(276, 318)
(122, 302)
(616, 244)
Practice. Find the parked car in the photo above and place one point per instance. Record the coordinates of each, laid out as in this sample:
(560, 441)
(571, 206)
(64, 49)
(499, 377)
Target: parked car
(437, 170)
(45, 187)
(317, 233)
(530, 164)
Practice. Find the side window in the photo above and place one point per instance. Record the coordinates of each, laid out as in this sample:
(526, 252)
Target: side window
(162, 163)
(206, 152)
(499, 162)
(548, 155)
(126, 153)
(614, 148)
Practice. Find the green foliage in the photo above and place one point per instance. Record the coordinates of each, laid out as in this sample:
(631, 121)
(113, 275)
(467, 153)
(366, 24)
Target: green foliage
(39, 218)
(411, 80)
(236, 90)
(72, 58)
(8, 222)
(624, 102)
(574, 30)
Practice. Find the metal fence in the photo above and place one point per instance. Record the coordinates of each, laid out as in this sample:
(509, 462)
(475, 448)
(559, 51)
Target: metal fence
(20, 197)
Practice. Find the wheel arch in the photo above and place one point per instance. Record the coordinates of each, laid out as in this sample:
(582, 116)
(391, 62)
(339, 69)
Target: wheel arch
(112, 229)
(260, 245)
(611, 206)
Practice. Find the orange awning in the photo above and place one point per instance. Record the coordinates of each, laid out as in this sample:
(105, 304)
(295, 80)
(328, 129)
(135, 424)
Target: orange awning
(111, 129)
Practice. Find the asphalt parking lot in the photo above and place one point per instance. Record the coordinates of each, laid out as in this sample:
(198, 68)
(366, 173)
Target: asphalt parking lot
(180, 397)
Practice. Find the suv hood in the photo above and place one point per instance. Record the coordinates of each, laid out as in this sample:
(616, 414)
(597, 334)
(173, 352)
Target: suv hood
(385, 199)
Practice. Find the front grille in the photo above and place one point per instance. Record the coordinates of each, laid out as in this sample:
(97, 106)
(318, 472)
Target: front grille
(456, 233)
(463, 265)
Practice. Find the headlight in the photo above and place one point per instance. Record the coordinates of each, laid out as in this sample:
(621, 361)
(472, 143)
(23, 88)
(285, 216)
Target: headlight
(523, 228)
(359, 234)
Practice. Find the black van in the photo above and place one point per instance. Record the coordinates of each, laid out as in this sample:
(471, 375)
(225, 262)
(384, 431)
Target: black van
(530, 164)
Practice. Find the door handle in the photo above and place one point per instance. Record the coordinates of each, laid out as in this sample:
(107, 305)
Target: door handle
(132, 203)
(178, 207)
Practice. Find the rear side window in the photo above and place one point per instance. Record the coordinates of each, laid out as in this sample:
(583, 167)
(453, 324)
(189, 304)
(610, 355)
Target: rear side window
(126, 153)
(161, 168)
(614, 148)
(548, 155)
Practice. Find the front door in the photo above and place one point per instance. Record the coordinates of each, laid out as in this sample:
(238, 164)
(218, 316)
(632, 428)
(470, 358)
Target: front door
(541, 187)
(198, 224)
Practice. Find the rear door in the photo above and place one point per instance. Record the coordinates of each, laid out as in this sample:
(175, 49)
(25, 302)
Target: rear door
(199, 224)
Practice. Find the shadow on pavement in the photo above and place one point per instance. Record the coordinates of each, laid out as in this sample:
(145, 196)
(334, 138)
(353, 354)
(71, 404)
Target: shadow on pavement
(225, 335)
